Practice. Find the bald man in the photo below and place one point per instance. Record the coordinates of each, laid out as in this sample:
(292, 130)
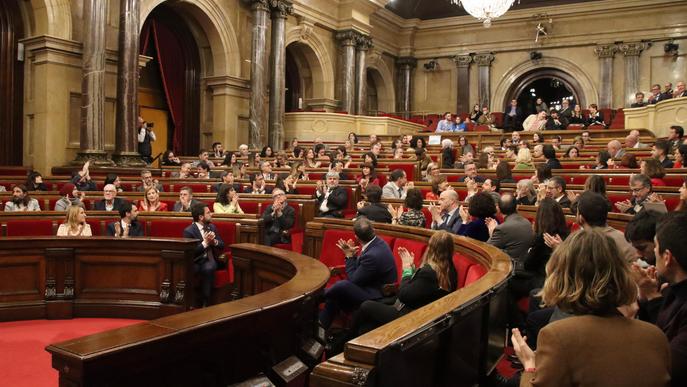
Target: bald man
(110, 201)
(615, 148)
(445, 216)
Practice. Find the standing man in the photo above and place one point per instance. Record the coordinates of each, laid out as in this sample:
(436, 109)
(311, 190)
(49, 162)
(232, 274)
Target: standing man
(127, 226)
(513, 117)
(514, 236)
(210, 246)
(145, 137)
(278, 219)
(331, 198)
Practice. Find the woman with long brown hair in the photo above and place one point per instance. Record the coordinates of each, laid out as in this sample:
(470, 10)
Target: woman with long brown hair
(435, 278)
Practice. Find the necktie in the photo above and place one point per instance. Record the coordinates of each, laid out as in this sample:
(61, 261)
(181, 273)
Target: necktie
(400, 193)
(444, 217)
(209, 252)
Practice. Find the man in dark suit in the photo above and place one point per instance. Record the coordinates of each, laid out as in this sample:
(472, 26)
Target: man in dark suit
(514, 236)
(445, 216)
(258, 185)
(367, 272)
(556, 122)
(566, 110)
(227, 177)
(668, 93)
(470, 169)
(512, 117)
(278, 219)
(372, 209)
(639, 100)
(331, 198)
(110, 201)
(668, 308)
(127, 226)
(210, 246)
(186, 200)
(555, 189)
(595, 116)
(550, 155)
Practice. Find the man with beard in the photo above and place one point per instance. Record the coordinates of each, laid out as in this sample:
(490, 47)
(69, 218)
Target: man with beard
(21, 201)
(210, 246)
(127, 226)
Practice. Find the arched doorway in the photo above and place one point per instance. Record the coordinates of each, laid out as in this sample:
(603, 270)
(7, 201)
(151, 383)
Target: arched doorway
(294, 100)
(372, 100)
(380, 91)
(552, 85)
(11, 84)
(169, 89)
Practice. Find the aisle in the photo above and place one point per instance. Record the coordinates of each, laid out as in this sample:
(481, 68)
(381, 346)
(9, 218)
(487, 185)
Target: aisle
(23, 359)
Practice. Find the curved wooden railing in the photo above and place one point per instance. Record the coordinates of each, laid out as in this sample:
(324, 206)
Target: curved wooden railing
(454, 341)
(218, 345)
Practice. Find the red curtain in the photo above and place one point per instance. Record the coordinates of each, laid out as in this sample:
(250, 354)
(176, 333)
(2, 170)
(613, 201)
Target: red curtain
(169, 54)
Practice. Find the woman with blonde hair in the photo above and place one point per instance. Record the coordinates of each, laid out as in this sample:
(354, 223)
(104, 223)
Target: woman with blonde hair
(524, 159)
(151, 200)
(75, 223)
(298, 171)
(434, 278)
(525, 193)
(589, 342)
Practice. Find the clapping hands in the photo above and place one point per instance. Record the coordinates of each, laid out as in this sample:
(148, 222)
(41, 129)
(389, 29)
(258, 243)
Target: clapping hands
(491, 225)
(407, 258)
(348, 247)
(464, 214)
(623, 206)
(552, 240)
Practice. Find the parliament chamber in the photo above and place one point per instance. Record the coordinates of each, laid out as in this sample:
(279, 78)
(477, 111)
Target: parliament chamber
(342, 192)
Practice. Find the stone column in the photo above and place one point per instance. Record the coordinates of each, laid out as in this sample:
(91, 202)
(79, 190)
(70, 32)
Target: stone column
(364, 43)
(93, 84)
(258, 73)
(605, 52)
(483, 75)
(463, 85)
(126, 125)
(631, 51)
(346, 78)
(405, 82)
(280, 10)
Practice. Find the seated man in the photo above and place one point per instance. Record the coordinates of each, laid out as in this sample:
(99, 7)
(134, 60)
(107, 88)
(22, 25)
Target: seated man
(217, 150)
(639, 100)
(110, 201)
(278, 219)
(227, 177)
(641, 188)
(555, 189)
(668, 308)
(660, 151)
(127, 226)
(595, 116)
(21, 201)
(331, 198)
(445, 216)
(258, 185)
(372, 209)
(338, 167)
(615, 149)
(514, 236)
(555, 122)
(592, 211)
(203, 170)
(640, 232)
(210, 246)
(266, 171)
(82, 179)
(186, 200)
(396, 188)
(147, 180)
(470, 169)
(184, 172)
(445, 125)
(203, 156)
(367, 272)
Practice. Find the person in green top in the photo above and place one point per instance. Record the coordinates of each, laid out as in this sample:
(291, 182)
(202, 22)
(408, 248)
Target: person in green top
(227, 201)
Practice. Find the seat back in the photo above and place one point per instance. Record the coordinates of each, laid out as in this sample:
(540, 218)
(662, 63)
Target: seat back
(41, 227)
(331, 255)
(416, 248)
(167, 228)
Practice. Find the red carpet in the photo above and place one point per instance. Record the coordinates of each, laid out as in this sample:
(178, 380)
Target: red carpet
(23, 359)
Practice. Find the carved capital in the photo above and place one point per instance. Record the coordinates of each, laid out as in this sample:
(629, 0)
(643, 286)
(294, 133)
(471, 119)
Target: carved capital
(306, 28)
(258, 5)
(463, 60)
(363, 42)
(406, 62)
(281, 8)
(484, 59)
(347, 37)
(632, 49)
(50, 289)
(180, 293)
(164, 291)
(68, 288)
(606, 50)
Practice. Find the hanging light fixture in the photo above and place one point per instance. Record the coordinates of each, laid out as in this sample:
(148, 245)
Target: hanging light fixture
(485, 10)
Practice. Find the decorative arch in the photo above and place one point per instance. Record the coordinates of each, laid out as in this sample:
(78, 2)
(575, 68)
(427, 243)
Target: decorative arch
(384, 81)
(528, 71)
(315, 53)
(48, 17)
(218, 30)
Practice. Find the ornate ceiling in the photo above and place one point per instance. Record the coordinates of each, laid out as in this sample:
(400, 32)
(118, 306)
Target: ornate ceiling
(436, 9)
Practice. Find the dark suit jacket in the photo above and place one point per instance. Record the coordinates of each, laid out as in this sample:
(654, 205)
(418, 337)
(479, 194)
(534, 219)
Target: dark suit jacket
(338, 199)
(566, 113)
(276, 229)
(193, 232)
(117, 204)
(564, 202)
(249, 189)
(600, 351)
(512, 122)
(376, 212)
(447, 158)
(597, 119)
(552, 125)
(178, 208)
(478, 179)
(554, 164)
(374, 268)
(477, 229)
(637, 105)
(237, 187)
(513, 236)
(451, 225)
(135, 231)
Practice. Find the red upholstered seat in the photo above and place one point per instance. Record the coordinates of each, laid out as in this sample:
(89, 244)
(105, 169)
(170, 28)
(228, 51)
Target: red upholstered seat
(618, 179)
(227, 231)
(462, 265)
(475, 272)
(414, 247)
(498, 119)
(331, 255)
(306, 189)
(168, 228)
(40, 227)
(250, 207)
(95, 226)
(482, 128)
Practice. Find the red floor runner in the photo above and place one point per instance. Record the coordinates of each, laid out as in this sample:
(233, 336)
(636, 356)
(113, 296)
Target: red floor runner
(23, 359)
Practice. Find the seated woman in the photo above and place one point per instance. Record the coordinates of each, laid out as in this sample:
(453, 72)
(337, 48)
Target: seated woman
(266, 152)
(433, 170)
(169, 159)
(298, 171)
(577, 118)
(151, 201)
(682, 206)
(286, 184)
(542, 173)
(398, 153)
(230, 159)
(435, 278)
(587, 340)
(572, 153)
(680, 156)
(655, 171)
(525, 193)
(464, 147)
(602, 160)
(367, 176)
(113, 178)
(535, 122)
(239, 170)
(524, 159)
(75, 223)
(227, 201)
(34, 182)
(439, 185)
(414, 216)
(70, 197)
(480, 208)
(458, 126)
(281, 160)
(475, 114)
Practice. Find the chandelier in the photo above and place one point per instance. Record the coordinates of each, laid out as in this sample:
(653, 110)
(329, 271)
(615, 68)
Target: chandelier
(485, 10)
